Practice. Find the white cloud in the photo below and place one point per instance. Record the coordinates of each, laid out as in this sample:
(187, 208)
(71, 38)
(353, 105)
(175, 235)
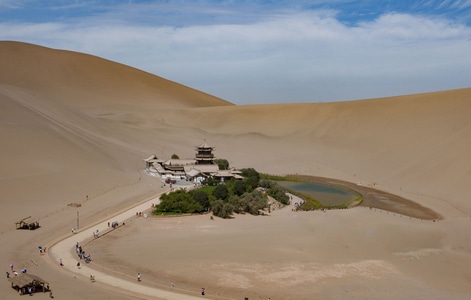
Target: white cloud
(10, 4)
(290, 57)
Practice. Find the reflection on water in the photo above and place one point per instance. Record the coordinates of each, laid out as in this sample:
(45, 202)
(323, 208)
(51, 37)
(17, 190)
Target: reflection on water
(327, 195)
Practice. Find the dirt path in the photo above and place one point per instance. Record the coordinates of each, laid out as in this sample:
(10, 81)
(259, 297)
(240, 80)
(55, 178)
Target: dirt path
(64, 251)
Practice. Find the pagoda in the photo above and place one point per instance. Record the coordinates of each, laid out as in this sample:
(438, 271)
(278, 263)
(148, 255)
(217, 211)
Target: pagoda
(204, 154)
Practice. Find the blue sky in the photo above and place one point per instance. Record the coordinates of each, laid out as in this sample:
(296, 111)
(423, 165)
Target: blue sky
(251, 52)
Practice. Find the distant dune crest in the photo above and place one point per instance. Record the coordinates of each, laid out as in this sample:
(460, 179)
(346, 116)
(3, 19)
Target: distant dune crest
(82, 80)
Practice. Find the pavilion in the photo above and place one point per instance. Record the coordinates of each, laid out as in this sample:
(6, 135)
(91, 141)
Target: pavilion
(25, 282)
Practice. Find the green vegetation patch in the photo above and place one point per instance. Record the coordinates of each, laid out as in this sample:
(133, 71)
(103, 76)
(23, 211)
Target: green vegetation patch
(239, 196)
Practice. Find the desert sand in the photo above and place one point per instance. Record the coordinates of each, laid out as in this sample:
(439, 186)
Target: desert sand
(75, 129)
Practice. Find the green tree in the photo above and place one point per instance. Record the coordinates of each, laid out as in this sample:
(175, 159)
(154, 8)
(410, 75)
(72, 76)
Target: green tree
(252, 178)
(174, 156)
(201, 197)
(239, 187)
(221, 192)
(177, 202)
(222, 163)
(266, 184)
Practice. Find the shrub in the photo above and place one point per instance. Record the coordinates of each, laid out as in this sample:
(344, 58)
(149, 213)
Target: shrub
(236, 205)
(253, 202)
(278, 193)
(221, 209)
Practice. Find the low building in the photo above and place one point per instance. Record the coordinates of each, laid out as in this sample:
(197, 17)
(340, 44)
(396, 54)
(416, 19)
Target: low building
(195, 170)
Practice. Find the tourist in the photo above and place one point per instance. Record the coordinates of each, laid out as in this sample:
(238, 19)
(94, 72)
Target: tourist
(202, 292)
(60, 262)
(78, 265)
(138, 276)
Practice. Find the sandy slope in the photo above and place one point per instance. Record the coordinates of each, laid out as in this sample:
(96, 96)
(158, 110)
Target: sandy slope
(74, 125)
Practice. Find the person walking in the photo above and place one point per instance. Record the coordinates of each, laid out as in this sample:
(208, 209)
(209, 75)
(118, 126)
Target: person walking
(138, 276)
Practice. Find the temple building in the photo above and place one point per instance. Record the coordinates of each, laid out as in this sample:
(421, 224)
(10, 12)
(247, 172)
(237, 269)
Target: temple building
(196, 170)
(204, 154)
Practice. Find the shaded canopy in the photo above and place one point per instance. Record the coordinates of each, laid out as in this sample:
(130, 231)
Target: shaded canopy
(23, 280)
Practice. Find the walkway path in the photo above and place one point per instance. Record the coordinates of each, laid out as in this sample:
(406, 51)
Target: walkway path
(65, 250)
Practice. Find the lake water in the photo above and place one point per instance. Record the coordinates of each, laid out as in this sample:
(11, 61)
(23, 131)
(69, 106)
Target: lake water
(326, 194)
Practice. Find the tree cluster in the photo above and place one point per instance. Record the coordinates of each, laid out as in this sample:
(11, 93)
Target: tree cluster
(275, 191)
(223, 199)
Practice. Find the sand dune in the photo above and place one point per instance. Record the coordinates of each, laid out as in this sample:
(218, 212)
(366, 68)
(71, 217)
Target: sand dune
(75, 128)
(87, 81)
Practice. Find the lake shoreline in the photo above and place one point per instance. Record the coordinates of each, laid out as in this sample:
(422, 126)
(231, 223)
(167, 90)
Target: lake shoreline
(377, 199)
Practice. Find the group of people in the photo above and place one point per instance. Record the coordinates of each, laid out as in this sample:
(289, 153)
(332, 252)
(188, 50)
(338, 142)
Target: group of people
(81, 254)
(114, 225)
(15, 273)
(12, 271)
(27, 290)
